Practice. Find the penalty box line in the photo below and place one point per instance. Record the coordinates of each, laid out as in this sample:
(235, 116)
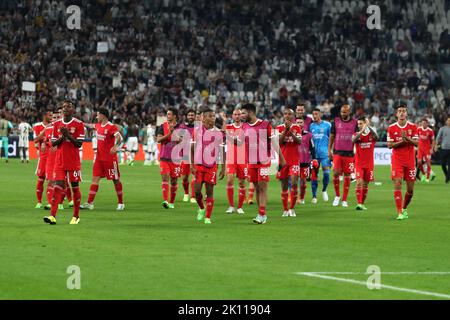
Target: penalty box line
(364, 283)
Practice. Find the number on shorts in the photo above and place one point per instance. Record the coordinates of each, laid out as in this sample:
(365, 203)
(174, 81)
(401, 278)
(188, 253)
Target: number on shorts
(264, 172)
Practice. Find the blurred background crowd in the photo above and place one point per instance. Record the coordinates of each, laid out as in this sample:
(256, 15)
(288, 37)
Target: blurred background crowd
(191, 53)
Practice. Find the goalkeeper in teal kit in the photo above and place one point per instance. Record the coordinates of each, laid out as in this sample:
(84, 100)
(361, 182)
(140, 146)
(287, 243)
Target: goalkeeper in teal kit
(320, 131)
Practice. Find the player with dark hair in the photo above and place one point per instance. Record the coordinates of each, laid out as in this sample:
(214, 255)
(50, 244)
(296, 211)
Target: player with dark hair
(425, 149)
(42, 153)
(307, 154)
(402, 137)
(300, 114)
(105, 163)
(258, 140)
(67, 136)
(206, 150)
(185, 166)
(170, 168)
(364, 141)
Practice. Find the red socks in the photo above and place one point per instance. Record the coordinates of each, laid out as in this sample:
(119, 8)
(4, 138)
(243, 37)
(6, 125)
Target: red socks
(428, 170)
(241, 197)
(186, 186)
(209, 207)
(49, 193)
(359, 195)
(118, 187)
(57, 195)
(336, 186)
(68, 193)
(230, 195)
(347, 181)
(284, 199)
(365, 190)
(398, 200)
(173, 192)
(302, 191)
(262, 211)
(39, 189)
(165, 190)
(92, 192)
(408, 197)
(76, 201)
(192, 188)
(294, 194)
(199, 199)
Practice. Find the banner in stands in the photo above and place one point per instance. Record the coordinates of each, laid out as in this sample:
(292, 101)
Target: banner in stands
(382, 156)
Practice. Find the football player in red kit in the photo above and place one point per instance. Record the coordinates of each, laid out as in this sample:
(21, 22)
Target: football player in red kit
(207, 147)
(290, 137)
(67, 136)
(402, 137)
(106, 164)
(236, 165)
(40, 145)
(425, 150)
(364, 141)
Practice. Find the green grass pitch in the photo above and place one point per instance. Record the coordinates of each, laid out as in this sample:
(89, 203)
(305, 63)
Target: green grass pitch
(148, 252)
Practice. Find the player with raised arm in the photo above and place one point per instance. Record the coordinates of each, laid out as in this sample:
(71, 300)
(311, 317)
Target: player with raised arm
(39, 143)
(340, 151)
(170, 167)
(236, 165)
(207, 148)
(24, 129)
(402, 137)
(106, 163)
(425, 149)
(258, 145)
(320, 131)
(364, 141)
(185, 165)
(290, 138)
(307, 154)
(67, 136)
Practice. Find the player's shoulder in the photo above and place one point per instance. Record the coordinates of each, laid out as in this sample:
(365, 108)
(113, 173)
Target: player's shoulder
(280, 126)
(393, 125)
(326, 123)
(38, 124)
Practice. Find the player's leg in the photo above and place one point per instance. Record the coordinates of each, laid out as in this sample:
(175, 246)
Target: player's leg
(409, 177)
(5, 144)
(447, 163)
(294, 194)
(261, 194)
(398, 197)
(302, 190)
(21, 154)
(337, 172)
(199, 196)
(27, 154)
(165, 177)
(428, 162)
(325, 180)
(346, 189)
(76, 201)
(93, 189)
(69, 194)
(39, 190)
(444, 157)
(209, 201)
(284, 195)
(58, 193)
(241, 196)
(359, 190)
(185, 171)
(365, 191)
(315, 181)
(173, 190)
(119, 193)
(49, 194)
(230, 192)
(251, 192)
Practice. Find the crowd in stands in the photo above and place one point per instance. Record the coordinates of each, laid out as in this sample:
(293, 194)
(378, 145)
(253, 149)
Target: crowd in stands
(191, 53)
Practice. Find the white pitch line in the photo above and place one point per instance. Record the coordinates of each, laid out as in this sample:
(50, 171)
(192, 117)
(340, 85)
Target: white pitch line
(364, 283)
(428, 273)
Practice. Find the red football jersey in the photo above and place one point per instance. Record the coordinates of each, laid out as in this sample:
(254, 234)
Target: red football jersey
(258, 137)
(48, 144)
(234, 131)
(106, 137)
(404, 155)
(289, 148)
(67, 155)
(207, 144)
(37, 129)
(365, 147)
(426, 137)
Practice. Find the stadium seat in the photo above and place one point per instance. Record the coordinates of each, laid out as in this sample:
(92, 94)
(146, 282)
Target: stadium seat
(241, 95)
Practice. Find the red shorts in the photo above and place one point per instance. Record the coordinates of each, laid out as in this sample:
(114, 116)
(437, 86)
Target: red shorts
(343, 164)
(171, 168)
(106, 169)
(259, 173)
(423, 155)
(304, 172)
(70, 175)
(185, 169)
(49, 169)
(40, 169)
(364, 173)
(206, 175)
(407, 173)
(287, 171)
(240, 170)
